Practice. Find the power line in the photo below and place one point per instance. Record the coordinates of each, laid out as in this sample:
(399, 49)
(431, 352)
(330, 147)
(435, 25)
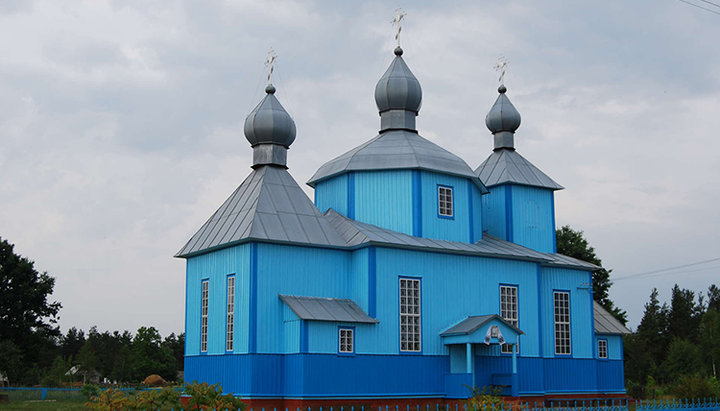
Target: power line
(661, 270)
(701, 7)
(672, 273)
(709, 2)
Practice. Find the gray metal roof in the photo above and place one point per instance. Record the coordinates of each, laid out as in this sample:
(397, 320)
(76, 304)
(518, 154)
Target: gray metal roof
(396, 149)
(327, 309)
(561, 260)
(605, 323)
(472, 323)
(268, 205)
(357, 233)
(507, 166)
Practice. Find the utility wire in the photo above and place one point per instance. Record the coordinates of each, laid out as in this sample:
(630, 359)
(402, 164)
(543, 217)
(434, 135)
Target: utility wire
(709, 2)
(672, 273)
(663, 270)
(701, 7)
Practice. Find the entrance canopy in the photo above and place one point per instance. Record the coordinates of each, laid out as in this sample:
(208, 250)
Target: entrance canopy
(482, 329)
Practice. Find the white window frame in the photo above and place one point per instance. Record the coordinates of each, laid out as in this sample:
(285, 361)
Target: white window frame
(603, 349)
(410, 300)
(445, 201)
(509, 311)
(230, 315)
(204, 308)
(346, 340)
(561, 312)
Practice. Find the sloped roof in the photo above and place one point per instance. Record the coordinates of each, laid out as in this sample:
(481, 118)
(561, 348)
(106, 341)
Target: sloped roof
(396, 149)
(508, 166)
(327, 309)
(562, 260)
(268, 205)
(605, 323)
(356, 233)
(473, 322)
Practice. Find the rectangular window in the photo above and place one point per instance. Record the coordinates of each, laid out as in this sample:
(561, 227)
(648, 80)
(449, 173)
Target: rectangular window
(509, 310)
(346, 344)
(410, 335)
(445, 201)
(205, 296)
(602, 349)
(562, 322)
(230, 326)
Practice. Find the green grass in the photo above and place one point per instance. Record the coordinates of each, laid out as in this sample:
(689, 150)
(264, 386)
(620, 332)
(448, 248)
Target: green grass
(46, 405)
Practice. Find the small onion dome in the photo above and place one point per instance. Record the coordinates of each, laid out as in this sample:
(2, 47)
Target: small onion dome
(502, 116)
(269, 123)
(398, 89)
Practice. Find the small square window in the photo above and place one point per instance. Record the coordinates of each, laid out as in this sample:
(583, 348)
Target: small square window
(346, 341)
(445, 201)
(602, 349)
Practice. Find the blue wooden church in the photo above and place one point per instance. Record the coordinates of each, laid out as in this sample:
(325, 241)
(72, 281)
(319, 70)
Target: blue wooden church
(409, 276)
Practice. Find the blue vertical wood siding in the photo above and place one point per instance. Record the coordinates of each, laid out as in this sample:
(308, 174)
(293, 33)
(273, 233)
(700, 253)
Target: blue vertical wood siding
(614, 345)
(384, 199)
(455, 228)
(332, 193)
(533, 220)
(493, 212)
(581, 328)
(451, 278)
(303, 271)
(215, 267)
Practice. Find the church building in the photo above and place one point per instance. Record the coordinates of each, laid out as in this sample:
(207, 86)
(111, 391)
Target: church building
(410, 275)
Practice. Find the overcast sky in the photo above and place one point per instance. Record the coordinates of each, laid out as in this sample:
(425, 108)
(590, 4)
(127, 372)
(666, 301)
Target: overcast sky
(121, 125)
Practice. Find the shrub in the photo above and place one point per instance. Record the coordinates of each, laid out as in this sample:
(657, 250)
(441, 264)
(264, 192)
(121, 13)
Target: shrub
(89, 390)
(109, 400)
(693, 386)
(204, 396)
(156, 399)
(484, 398)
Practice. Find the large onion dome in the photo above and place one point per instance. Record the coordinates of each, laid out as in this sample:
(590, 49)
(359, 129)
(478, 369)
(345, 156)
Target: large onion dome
(270, 131)
(503, 120)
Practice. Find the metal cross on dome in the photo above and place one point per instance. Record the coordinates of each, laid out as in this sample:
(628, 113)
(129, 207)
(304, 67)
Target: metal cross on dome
(501, 67)
(270, 64)
(396, 21)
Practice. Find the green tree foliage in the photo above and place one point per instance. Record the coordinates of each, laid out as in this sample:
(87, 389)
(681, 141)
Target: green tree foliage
(710, 340)
(27, 317)
(55, 376)
(149, 356)
(677, 345)
(573, 243)
(683, 358)
(176, 344)
(685, 315)
(71, 343)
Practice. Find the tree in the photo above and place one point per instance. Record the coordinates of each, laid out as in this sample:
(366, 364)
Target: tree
(573, 244)
(149, 356)
(176, 344)
(652, 331)
(713, 298)
(684, 316)
(71, 343)
(27, 317)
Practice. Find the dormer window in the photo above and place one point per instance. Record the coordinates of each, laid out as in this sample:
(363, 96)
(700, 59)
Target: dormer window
(445, 201)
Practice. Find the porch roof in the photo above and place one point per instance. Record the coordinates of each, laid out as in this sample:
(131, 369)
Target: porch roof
(472, 330)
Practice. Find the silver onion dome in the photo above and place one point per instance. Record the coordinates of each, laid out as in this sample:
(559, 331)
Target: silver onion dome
(269, 122)
(398, 95)
(503, 120)
(270, 131)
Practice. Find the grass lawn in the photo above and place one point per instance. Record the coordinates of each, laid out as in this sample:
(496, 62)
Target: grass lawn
(54, 405)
